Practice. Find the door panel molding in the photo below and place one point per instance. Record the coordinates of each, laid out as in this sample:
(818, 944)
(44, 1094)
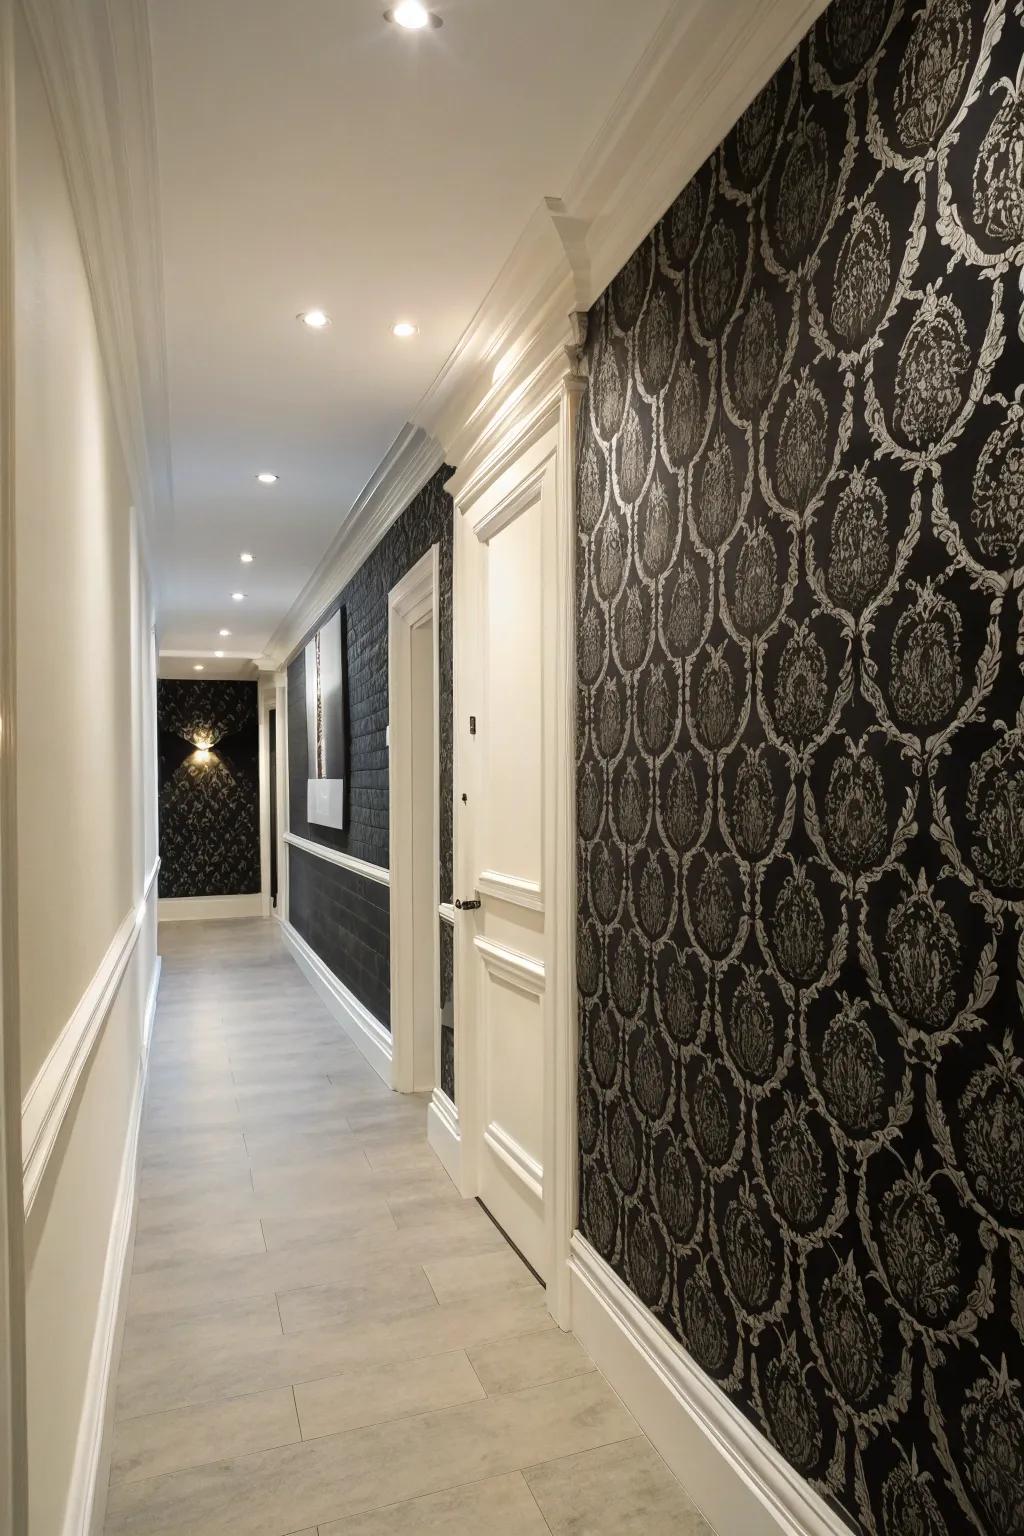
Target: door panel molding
(519, 970)
(516, 1158)
(514, 888)
(525, 495)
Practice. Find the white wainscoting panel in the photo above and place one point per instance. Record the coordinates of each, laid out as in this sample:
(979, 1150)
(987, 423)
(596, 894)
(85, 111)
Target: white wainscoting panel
(354, 1017)
(53, 1088)
(737, 1479)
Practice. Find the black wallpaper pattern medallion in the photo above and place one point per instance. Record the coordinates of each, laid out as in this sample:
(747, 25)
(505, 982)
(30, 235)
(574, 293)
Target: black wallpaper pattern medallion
(345, 917)
(209, 806)
(801, 766)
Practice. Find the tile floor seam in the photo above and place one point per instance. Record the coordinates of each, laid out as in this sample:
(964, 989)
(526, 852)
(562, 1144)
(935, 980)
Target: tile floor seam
(424, 1413)
(321, 1160)
(536, 1501)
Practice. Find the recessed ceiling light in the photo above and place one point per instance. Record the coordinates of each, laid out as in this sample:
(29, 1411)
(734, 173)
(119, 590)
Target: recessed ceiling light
(218, 653)
(316, 319)
(198, 667)
(224, 633)
(412, 15)
(238, 597)
(246, 558)
(404, 328)
(266, 477)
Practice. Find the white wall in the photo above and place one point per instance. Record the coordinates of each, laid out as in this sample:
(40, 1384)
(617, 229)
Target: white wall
(86, 792)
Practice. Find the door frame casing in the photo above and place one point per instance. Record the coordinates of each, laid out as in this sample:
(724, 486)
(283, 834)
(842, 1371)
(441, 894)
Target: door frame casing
(542, 440)
(410, 602)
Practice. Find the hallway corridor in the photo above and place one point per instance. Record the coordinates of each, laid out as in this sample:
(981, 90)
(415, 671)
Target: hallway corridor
(321, 1335)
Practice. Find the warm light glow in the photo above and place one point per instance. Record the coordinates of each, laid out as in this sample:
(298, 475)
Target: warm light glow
(202, 742)
(411, 14)
(202, 754)
(267, 477)
(218, 653)
(316, 319)
(224, 633)
(198, 667)
(245, 557)
(238, 597)
(404, 328)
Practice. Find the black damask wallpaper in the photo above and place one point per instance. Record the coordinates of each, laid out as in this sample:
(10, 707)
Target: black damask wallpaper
(209, 788)
(801, 766)
(358, 953)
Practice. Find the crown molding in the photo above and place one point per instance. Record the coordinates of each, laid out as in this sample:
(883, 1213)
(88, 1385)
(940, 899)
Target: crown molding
(702, 68)
(96, 66)
(405, 469)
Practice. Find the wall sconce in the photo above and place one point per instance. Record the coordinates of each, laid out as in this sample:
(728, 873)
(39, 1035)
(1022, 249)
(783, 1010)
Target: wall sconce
(202, 745)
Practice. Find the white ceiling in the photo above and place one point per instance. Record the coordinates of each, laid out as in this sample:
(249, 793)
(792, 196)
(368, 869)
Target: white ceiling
(312, 154)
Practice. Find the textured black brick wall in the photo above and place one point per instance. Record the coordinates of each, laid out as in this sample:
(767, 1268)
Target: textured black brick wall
(346, 919)
(329, 905)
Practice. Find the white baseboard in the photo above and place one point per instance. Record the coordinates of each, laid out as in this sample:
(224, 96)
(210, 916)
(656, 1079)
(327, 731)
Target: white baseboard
(357, 1021)
(443, 1135)
(85, 1510)
(737, 1479)
(176, 909)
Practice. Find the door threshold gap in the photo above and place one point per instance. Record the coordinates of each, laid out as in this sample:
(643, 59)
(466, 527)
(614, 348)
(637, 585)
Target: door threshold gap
(517, 1251)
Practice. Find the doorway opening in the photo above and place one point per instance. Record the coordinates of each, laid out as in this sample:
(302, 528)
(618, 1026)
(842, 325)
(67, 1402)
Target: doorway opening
(414, 826)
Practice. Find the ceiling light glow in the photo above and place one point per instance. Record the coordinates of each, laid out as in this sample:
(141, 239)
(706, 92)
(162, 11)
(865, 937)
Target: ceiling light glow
(218, 653)
(404, 328)
(316, 319)
(246, 558)
(238, 597)
(266, 477)
(224, 633)
(412, 15)
(198, 667)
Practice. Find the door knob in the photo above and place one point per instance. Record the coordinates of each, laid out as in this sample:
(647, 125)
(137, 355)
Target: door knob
(467, 906)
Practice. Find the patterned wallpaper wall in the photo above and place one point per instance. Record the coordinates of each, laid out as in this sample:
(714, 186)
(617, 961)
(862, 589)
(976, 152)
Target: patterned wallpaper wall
(344, 917)
(801, 766)
(209, 807)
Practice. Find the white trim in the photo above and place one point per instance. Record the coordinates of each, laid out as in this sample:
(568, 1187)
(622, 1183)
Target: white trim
(53, 1088)
(405, 469)
(85, 1507)
(525, 494)
(97, 66)
(13, 1427)
(516, 1158)
(366, 1032)
(519, 970)
(177, 909)
(737, 1479)
(149, 1017)
(412, 601)
(446, 910)
(514, 888)
(561, 1144)
(443, 1135)
(343, 860)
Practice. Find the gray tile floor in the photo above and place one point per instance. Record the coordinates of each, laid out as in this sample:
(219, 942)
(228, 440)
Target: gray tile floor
(321, 1335)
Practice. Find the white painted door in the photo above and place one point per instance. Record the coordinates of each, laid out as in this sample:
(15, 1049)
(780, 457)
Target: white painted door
(505, 550)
